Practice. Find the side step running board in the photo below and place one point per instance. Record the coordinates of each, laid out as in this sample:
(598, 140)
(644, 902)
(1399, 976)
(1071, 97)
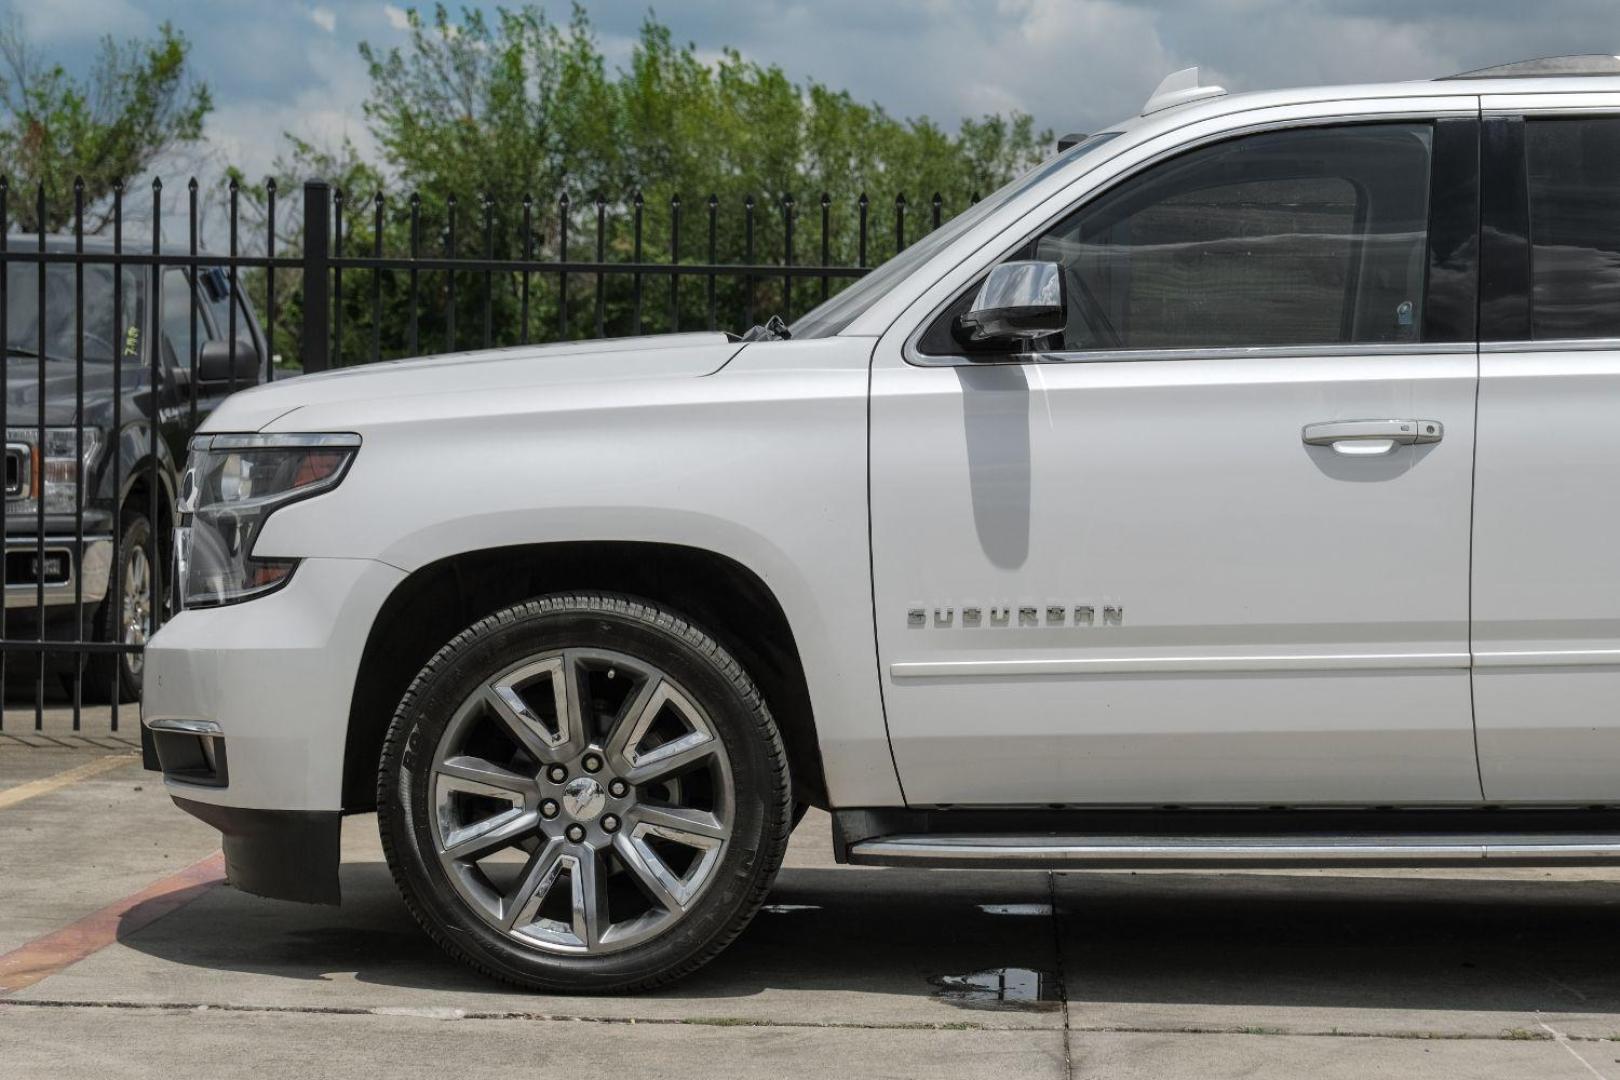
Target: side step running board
(1037, 852)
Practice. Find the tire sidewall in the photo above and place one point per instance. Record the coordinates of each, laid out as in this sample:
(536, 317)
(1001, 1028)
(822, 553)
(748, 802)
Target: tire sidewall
(111, 676)
(759, 804)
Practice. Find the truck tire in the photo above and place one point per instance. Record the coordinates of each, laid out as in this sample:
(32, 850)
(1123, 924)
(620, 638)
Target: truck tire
(125, 615)
(583, 793)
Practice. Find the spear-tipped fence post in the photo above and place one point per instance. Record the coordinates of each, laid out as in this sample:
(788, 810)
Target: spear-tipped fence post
(826, 243)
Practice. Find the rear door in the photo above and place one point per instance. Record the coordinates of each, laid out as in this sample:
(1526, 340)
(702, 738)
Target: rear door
(1133, 568)
(1546, 573)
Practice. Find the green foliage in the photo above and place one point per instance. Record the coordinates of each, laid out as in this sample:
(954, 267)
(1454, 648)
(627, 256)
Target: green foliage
(135, 107)
(493, 120)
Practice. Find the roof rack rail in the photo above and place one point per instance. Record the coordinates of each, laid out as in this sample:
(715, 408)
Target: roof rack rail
(1584, 64)
(1179, 88)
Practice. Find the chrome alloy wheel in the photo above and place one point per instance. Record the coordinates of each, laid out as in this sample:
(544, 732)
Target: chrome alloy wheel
(581, 801)
(137, 610)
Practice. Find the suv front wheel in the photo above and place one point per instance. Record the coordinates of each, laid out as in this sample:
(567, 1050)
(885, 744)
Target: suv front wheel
(583, 793)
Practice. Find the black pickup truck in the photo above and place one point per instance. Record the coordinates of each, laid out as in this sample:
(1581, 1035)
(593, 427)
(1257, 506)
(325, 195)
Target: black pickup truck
(99, 550)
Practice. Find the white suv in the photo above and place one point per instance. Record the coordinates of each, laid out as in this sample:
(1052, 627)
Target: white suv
(1239, 487)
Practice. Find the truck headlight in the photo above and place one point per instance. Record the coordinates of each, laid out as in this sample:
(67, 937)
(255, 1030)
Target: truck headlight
(53, 465)
(232, 483)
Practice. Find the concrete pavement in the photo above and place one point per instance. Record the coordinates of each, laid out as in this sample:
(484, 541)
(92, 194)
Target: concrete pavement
(849, 972)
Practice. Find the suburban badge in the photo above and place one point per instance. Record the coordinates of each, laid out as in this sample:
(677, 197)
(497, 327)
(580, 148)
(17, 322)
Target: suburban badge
(1027, 616)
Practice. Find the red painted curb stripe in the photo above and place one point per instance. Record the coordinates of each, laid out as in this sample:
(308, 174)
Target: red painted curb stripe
(45, 956)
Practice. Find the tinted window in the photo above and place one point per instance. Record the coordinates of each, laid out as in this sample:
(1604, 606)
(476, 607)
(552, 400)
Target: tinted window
(1574, 172)
(177, 319)
(835, 314)
(1306, 237)
(104, 335)
(216, 290)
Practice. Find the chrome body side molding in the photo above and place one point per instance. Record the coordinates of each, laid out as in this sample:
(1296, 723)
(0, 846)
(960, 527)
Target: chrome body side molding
(1037, 852)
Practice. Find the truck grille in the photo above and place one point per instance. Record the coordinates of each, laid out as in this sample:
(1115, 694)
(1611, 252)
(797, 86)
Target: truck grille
(16, 471)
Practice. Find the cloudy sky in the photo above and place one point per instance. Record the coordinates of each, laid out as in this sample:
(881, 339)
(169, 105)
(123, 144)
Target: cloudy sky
(291, 65)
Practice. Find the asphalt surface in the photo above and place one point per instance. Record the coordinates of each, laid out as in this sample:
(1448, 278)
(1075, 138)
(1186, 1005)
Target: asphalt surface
(152, 968)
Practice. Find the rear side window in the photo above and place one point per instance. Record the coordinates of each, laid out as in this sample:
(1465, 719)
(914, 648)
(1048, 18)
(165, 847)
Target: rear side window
(1573, 168)
(1304, 237)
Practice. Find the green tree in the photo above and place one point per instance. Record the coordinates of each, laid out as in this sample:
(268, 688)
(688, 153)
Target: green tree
(136, 105)
(491, 122)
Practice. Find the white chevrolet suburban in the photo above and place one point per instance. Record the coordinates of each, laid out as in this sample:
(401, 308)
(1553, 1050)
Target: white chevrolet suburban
(1240, 487)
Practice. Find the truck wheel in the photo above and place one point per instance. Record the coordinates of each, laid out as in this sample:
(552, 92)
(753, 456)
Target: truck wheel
(125, 616)
(583, 793)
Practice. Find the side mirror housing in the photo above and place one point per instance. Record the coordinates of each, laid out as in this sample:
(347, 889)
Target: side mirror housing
(1020, 301)
(215, 366)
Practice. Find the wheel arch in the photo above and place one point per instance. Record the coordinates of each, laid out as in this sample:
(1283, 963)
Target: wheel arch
(725, 598)
(129, 464)
(135, 494)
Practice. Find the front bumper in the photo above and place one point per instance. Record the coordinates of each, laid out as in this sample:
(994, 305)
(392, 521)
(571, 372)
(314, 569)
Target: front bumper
(272, 679)
(74, 573)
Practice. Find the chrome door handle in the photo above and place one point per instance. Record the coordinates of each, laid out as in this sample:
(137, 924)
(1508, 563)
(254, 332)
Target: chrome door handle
(1369, 437)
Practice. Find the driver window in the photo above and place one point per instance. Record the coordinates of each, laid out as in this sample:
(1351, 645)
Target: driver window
(1301, 237)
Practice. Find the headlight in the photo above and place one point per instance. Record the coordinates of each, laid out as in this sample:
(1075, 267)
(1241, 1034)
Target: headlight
(231, 484)
(53, 468)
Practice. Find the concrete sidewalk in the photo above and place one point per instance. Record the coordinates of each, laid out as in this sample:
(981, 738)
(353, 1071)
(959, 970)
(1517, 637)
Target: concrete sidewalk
(849, 972)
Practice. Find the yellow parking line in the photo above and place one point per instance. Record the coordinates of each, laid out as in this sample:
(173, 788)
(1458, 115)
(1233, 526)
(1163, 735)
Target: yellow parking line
(11, 796)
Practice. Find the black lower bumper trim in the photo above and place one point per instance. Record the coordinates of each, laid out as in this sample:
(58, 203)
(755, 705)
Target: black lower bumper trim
(282, 854)
(149, 755)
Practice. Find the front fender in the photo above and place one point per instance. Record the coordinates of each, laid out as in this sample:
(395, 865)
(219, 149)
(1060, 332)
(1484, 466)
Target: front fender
(763, 463)
(132, 464)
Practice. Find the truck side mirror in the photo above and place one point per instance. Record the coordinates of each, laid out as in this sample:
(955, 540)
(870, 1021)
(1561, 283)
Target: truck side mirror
(1021, 300)
(216, 368)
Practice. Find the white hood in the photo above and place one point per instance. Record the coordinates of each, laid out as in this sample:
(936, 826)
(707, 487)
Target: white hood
(516, 367)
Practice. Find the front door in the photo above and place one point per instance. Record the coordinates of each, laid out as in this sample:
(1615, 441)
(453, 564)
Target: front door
(1182, 555)
(1547, 509)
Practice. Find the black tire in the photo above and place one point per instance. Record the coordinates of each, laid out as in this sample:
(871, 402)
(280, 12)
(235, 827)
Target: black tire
(110, 677)
(760, 800)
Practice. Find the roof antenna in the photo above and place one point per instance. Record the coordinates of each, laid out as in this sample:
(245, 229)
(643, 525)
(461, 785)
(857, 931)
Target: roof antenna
(1179, 88)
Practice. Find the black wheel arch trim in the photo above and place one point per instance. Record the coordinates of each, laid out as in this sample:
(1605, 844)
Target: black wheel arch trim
(459, 589)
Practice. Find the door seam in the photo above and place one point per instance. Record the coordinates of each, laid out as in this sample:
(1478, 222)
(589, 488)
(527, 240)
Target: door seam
(1473, 463)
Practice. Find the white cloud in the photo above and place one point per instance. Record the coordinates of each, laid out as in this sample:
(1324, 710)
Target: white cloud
(248, 132)
(1077, 64)
(324, 17)
(87, 20)
(1073, 64)
(398, 18)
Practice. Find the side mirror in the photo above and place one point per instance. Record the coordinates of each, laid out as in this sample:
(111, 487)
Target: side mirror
(1020, 301)
(215, 367)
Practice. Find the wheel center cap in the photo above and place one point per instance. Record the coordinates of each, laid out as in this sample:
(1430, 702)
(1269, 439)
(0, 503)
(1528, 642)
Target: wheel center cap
(583, 798)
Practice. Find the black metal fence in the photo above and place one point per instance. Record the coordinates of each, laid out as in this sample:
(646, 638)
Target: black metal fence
(101, 400)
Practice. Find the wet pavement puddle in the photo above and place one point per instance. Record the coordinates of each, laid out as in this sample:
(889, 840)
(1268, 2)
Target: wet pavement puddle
(1000, 988)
